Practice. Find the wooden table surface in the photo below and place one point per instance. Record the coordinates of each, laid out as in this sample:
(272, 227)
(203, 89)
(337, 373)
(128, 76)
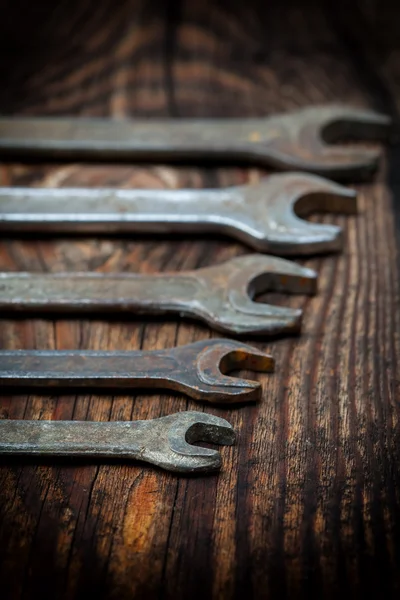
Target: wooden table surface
(307, 504)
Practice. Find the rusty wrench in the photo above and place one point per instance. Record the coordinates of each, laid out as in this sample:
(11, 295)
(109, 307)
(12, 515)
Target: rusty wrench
(263, 215)
(221, 295)
(165, 442)
(197, 370)
(296, 140)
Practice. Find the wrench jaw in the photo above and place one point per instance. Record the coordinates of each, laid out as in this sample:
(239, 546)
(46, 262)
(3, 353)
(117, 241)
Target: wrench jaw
(339, 123)
(277, 204)
(320, 195)
(235, 313)
(231, 307)
(242, 316)
(260, 274)
(223, 356)
(326, 125)
(171, 447)
(305, 135)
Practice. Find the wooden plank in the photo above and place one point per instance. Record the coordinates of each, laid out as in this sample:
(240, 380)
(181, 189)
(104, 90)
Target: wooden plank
(307, 504)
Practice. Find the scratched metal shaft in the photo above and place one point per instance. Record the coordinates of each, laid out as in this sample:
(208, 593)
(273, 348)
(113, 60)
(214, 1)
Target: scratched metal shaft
(266, 215)
(291, 141)
(165, 442)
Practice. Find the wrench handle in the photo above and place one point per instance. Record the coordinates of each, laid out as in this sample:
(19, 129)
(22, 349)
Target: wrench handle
(73, 438)
(93, 369)
(114, 211)
(107, 139)
(95, 292)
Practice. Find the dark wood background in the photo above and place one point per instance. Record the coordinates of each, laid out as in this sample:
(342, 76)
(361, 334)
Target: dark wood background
(308, 502)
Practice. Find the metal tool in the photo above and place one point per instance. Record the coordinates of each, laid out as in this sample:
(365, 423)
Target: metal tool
(165, 442)
(197, 370)
(263, 215)
(296, 140)
(221, 295)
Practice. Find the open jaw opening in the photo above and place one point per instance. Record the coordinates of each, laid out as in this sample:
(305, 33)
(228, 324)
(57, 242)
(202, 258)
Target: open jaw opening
(279, 283)
(238, 359)
(326, 201)
(210, 433)
(355, 128)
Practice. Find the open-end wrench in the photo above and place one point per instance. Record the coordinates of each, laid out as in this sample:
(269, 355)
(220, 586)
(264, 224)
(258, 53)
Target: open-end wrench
(221, 295)
(264, 215)
(165, 442)
(197, 370)
(293, 141)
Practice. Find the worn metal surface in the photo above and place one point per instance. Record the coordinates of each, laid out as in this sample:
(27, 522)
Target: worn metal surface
(197, 370)
(222, 295)
(297, 140)
(264, 215)
(165, 442)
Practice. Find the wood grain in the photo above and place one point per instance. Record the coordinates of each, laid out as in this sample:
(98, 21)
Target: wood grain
(308, 503)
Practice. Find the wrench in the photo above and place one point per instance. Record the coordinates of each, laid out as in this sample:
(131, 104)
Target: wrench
(263, 215)
(220, 295)
(165, 442)
(197, 370)
(296, 140)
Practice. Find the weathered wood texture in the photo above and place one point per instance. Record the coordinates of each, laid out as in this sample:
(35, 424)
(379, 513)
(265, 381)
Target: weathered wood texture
(308, 502)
